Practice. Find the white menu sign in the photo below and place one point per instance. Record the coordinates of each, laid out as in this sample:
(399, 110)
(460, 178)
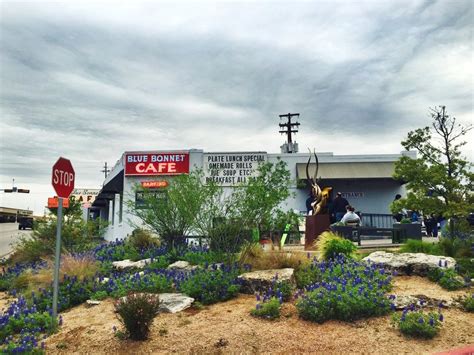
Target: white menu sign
(231, 169)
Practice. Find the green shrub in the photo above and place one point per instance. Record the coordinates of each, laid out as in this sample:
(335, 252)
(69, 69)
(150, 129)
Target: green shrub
(204, 257)
(150, 282)
(405, 221)
(322, 305)
(99, 295)
(418, 246)
(347, 290)
(159, 262)
(269, 309)
(286, 290)
(456, 247)
(76, 235)
(307, 276)
(418, 324)
(465, 267)
(467, 302)
(136, 312)
(213, 286)
(446, 278)
(330, 245)
(228, 236)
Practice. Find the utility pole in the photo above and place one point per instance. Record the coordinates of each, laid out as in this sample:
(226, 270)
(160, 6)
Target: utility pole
(105, 170)
(288, 128)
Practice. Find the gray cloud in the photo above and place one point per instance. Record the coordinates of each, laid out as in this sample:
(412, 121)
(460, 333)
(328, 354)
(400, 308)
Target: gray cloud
(89, 82)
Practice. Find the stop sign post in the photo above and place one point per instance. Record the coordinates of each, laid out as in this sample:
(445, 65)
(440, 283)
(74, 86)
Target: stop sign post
(63, 177)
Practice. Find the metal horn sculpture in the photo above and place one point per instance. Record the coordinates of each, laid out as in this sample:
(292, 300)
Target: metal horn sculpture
(320, 197)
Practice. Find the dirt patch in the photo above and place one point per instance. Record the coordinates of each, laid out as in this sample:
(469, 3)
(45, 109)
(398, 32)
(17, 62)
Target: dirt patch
(416, 285)
(229, 328)
(5, 300)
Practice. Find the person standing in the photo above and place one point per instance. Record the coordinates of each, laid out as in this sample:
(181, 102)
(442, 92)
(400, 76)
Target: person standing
(339, 206)
(428, 220)
(398, 216)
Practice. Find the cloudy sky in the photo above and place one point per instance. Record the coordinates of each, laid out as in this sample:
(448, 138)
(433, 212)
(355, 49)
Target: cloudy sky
(90, 80)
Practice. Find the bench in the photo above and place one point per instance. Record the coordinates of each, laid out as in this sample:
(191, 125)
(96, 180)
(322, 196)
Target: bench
(355, 233)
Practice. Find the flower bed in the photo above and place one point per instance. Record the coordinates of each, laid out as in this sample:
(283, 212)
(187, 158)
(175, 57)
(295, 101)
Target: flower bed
(344, 289)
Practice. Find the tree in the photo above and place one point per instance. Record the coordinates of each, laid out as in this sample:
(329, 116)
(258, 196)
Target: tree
(440, 180)
(77, 235)
(188, 206)
(257, 202)
(184, 207)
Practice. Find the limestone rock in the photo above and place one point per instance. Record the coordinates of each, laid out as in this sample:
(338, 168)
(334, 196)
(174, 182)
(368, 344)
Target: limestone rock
(174, 302)
(128, 264)
(102, 280)
(257, 281)
(403, 301)
(182, 266)
(410, 263)
(91, 303)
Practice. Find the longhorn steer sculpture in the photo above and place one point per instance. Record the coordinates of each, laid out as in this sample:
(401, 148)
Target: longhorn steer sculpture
(320, 197)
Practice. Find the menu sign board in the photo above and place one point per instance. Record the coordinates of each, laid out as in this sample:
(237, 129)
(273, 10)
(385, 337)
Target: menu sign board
(156, 163)
(231, 169)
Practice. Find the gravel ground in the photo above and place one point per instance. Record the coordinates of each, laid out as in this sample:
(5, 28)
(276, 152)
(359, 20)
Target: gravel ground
(228, 328)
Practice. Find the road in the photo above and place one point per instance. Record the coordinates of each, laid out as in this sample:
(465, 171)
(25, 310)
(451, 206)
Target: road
(9, 233)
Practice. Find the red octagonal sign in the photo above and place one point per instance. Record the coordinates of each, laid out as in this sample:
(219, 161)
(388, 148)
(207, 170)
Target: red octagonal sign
(63, 177)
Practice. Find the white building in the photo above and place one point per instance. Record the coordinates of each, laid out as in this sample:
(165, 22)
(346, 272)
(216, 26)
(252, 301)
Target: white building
(365, 180)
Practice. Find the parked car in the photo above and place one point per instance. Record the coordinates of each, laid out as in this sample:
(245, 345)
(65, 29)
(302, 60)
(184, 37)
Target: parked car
(25, 222)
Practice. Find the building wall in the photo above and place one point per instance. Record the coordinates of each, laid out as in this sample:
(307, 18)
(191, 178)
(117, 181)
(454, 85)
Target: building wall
(374, 195)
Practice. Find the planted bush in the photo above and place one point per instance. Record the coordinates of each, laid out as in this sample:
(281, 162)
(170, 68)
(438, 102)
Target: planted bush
(99, 295)
(211, 285)
(348, 290)
(330, 245)
(308, 275)
(150, 281)
(203, 257)
(122, 249)
(269, 309)
(467, 302)
(418, 246)
(136, 312)
(446, 278)
(417, 324)
(21, 327)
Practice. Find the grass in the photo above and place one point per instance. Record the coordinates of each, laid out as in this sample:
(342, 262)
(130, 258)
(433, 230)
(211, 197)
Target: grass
(252, 254)
(81, 267)
(330, 244)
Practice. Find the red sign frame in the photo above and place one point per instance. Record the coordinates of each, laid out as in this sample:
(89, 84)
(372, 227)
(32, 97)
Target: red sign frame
(156, 163)
(63, 177)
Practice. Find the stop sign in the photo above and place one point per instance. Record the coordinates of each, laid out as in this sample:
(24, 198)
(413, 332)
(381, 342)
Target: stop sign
(63, 177)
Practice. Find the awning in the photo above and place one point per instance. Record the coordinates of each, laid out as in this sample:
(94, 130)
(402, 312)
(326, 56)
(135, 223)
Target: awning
(108, 191)
(373, 170)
